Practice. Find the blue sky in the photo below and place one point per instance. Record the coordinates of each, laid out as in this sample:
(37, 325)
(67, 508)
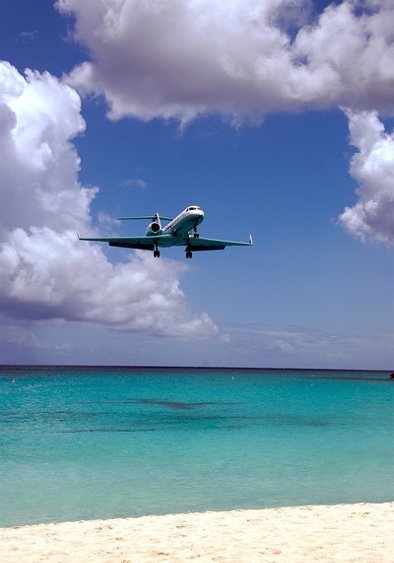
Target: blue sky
(270, 133)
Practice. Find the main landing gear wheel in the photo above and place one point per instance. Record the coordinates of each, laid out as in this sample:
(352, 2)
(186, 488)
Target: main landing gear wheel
(188, 254)
(156, 253)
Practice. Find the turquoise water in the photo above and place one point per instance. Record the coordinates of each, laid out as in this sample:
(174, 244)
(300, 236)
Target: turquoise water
(100, 443)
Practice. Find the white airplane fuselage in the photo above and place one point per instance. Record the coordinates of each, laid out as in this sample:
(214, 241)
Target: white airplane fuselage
(180, 227)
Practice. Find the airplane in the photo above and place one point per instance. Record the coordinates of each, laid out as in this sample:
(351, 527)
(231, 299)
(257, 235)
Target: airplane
(180, 231)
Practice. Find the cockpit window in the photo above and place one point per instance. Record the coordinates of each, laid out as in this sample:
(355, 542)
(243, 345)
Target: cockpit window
(192, 208)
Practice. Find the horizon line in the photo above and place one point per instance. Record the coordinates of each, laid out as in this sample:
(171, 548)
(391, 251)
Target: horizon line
(192, 368)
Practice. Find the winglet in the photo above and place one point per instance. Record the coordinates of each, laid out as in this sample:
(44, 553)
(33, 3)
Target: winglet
(250, 240)
(78, 235)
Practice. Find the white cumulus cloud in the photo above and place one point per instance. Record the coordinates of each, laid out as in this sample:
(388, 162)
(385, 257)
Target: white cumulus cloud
(38, 163)
(242, 58)
(373, 168)
(45, 271)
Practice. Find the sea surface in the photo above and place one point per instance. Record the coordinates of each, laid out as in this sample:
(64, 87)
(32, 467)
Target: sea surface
(84, 443)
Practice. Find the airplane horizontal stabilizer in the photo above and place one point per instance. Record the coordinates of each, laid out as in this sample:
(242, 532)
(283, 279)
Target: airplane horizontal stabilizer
(146, 217)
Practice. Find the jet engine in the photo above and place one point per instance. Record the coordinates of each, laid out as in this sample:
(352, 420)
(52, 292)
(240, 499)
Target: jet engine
(153, 229)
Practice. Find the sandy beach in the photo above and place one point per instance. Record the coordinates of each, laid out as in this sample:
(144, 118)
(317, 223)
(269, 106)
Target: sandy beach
(354, 532)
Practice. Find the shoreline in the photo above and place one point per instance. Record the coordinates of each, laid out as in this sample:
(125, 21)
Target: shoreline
(361, 532)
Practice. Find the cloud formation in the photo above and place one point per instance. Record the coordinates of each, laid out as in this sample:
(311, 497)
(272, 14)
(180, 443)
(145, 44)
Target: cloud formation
(45, 272)
(39, 165)
(373, 168)
(17, 336)
(242, 59)
(309, 348)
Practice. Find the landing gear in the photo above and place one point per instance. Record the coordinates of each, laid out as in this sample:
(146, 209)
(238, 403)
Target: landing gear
(189, 254)
(196, 235)
(156, 252)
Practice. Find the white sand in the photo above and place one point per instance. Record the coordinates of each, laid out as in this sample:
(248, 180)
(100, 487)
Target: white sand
(356, 532)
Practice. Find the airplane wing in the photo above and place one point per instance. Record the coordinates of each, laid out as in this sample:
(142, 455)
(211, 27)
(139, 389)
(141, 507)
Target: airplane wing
(201, 243)
(153, 242)
(143, 242)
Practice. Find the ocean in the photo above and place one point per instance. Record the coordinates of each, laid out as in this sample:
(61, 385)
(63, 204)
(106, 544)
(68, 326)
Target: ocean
(83, 443)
